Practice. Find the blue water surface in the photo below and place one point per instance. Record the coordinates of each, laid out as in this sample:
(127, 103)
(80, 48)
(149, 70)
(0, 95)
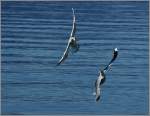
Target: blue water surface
(34, 36)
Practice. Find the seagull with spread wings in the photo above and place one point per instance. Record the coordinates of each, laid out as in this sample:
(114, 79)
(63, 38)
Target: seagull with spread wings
(101, 78)
(72, 42)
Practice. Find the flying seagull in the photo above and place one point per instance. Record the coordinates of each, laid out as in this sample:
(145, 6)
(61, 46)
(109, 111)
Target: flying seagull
(72, 42)
(101, 78)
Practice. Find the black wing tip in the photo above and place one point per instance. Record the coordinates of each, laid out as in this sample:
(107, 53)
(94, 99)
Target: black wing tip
(97, 99)
(58, 63)
(115, 50)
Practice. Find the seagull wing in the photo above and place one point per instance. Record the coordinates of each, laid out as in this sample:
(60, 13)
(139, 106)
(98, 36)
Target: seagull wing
(74, 25)
(98, 94)
(97, 88)
(65, 55)
(115, 54)
(98, 85)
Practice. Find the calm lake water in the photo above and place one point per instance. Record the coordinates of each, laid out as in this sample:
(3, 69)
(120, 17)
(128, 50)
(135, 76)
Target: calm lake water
(34, 36)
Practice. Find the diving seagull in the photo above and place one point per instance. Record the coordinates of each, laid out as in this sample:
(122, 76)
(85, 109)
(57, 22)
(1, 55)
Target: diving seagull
(72, 42)
(101, 78)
